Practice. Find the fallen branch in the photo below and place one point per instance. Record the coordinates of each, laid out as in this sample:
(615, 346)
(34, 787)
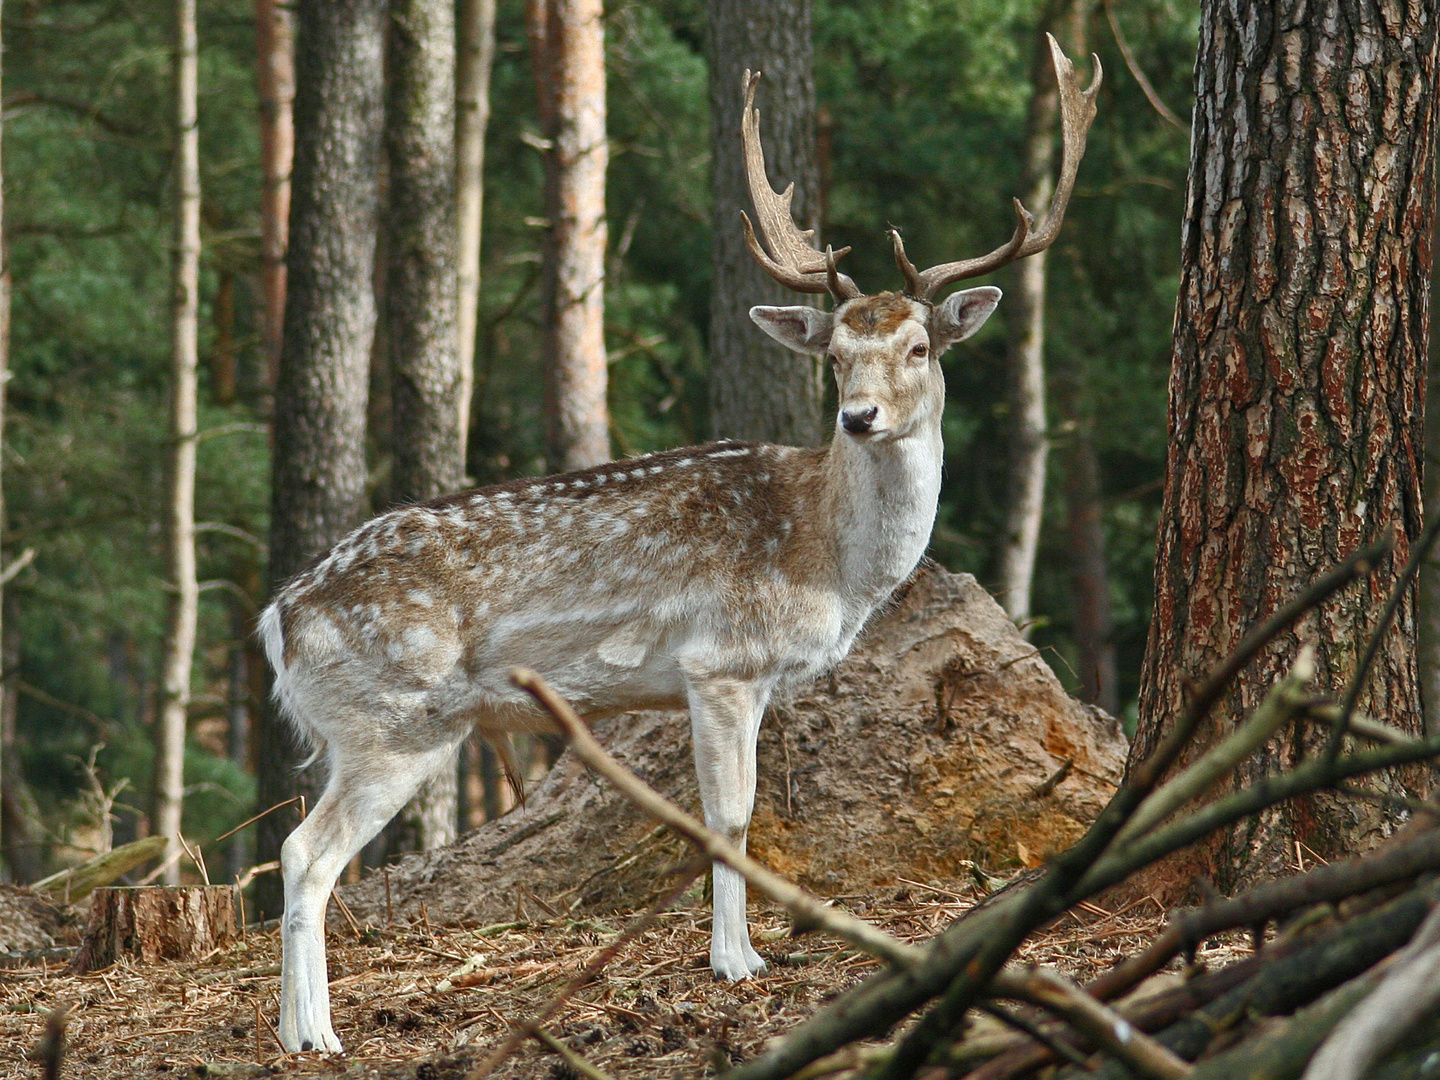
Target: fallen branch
(1407, 993)
(807, 912)
(78, 882)
(1103, 1026)
(1325, 884)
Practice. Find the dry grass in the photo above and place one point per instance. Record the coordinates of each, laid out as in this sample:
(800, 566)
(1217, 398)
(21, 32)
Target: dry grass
(654, 1011)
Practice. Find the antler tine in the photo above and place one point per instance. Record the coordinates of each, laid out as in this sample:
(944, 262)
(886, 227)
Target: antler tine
(913, 284)
(791, 258)
(840, 286)
(1077, 112)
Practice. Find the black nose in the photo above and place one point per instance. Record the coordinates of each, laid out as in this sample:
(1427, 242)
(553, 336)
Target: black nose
(858, 422)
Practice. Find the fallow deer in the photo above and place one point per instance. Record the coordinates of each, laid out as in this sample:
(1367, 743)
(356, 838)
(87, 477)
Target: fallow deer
(712, 578)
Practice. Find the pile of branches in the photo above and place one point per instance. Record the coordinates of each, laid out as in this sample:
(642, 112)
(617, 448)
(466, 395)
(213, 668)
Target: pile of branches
(1338, 993)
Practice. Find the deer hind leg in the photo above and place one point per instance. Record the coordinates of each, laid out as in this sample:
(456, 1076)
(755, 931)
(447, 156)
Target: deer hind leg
(725, 719)
(364, 791)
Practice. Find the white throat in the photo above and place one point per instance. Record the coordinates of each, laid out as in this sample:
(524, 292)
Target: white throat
(884, 519)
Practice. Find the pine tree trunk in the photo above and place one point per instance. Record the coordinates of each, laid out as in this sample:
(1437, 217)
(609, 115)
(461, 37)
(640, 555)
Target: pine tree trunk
(275, 85)
(758, 389)
(1428, 598)
(318, 485)
(474, 59)
(427, 457)
(1296, 396)
(184, 598)
(1089, 576)
(5, 763)
(567, 39)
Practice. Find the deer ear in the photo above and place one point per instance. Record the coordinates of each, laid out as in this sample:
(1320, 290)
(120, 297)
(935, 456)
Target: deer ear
(961, 315)
(804, 329)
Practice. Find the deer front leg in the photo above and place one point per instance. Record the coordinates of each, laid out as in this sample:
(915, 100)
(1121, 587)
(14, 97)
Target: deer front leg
(725, 718)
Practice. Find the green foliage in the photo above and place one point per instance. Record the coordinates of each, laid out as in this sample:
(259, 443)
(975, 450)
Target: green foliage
(923, 107)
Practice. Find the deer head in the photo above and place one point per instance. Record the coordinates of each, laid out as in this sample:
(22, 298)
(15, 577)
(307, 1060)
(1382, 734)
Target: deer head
(885, 348)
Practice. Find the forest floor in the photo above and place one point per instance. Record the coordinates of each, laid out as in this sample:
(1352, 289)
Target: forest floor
(653, 1011)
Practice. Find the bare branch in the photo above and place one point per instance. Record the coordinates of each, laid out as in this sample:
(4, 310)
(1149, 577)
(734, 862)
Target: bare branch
(1150, 95)
(1106, 1028)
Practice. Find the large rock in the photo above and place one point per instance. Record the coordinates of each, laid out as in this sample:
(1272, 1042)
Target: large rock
(935, 744)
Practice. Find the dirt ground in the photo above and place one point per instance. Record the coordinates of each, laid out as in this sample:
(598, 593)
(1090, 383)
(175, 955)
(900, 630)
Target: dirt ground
(654, 1011)
(940, 758)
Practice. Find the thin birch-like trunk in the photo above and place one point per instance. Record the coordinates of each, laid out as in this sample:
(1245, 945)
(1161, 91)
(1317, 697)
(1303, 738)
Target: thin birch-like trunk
(275, 83)
(474, 59)
(184, 598)
(1029, 444)
(567, 39)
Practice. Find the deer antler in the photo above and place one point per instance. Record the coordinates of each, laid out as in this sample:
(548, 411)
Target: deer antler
(1077, 111)
(795, 262)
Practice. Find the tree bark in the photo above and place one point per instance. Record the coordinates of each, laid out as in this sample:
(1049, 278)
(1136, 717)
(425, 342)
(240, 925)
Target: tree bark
(1296, 393)
(149, 924)
(567, 41)
(427, 448)
(275, 85)
(758, 389)
(184, 598)
(1428, 599)
(1093, 625)
(6, 765)
(474, 59)
(318, 483)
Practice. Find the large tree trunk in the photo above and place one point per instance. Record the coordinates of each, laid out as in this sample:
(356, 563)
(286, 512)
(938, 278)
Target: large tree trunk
(567, 41)
(427, 451)
(318, 487)
(474, 59)
(758, 389)
(275, 84)
(1428, 600)
(184, 593)
(1296, 397)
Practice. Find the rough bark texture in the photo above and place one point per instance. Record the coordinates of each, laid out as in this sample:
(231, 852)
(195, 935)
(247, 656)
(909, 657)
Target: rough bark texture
(567, 41)
(1298, 375)
(474, 59)
(420, 235)
(184, 593)
(275, 86)
(758, 389)
(1428, 599)
(318, 487)
(929, 746)
(427, 457)
(148, 924)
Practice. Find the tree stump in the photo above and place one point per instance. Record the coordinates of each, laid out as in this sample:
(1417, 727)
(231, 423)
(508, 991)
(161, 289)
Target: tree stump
(153, 923)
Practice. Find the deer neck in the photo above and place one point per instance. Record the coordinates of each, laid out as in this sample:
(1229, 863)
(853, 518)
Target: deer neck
(883, 499)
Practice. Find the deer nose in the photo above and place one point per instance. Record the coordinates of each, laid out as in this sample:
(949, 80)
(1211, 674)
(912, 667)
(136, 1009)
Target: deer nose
(858, 421)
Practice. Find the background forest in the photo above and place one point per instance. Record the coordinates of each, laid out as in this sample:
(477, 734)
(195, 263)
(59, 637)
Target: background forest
(921, 112)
